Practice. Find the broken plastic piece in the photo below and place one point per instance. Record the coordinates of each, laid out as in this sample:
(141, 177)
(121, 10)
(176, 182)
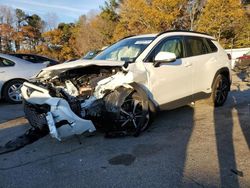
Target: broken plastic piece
(52, 127)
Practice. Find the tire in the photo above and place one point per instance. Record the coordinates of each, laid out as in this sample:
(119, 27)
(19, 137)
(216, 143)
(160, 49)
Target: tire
(135, 114)
(127, 113)
(220, 89)
(12, 91)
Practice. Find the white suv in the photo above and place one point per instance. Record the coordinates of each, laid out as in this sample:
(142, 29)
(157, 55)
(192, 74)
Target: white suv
(121, 88)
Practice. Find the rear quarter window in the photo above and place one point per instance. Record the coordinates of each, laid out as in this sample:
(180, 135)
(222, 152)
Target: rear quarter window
(42, 59)
(211, 45)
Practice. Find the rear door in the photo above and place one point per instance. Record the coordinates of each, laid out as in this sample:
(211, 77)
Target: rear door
(203, 60)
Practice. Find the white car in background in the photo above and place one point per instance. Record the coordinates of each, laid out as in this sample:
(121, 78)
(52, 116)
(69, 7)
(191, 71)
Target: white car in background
(13, 72)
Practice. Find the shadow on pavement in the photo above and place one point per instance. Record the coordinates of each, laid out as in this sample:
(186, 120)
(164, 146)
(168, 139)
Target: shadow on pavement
(178, 126)
(225, 121)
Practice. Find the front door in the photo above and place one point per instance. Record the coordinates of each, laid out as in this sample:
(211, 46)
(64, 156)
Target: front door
(170, 83)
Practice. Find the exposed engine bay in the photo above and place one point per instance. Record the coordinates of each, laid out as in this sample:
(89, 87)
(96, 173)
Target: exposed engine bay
(77, 87)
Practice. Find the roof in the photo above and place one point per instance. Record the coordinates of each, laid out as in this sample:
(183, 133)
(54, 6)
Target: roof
(173, 31)
(143, 36)
(186, 31)
(28, 54)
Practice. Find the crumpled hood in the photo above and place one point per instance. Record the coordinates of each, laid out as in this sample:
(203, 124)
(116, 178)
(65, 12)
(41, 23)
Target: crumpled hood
(57, 69)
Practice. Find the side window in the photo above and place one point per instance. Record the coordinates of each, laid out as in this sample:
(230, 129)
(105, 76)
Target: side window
(212, 46)
(173, 45)
(42, 59)
(195, 46)
(6, 63)
(29, 58)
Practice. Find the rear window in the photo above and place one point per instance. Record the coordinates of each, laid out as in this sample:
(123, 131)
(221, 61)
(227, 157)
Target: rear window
(42, 59)
(195, 46)
(212, 45)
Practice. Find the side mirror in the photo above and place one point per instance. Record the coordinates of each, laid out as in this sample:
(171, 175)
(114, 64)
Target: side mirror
(164, 57)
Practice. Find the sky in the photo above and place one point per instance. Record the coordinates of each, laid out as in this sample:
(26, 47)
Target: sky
(65, 10)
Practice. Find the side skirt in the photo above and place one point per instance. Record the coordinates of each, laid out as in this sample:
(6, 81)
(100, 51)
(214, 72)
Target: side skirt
(184, 101)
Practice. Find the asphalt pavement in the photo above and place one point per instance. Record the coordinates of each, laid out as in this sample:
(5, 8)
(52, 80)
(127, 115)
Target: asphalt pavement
(192, 146)
(10, 111)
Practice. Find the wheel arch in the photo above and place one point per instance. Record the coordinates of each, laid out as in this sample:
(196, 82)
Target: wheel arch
(223, 71)
(153, 108)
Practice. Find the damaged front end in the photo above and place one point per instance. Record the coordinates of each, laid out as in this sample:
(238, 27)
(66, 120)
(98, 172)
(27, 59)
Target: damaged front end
(81, 99)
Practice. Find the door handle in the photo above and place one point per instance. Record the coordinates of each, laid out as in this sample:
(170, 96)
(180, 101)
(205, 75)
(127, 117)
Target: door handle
(188, 64)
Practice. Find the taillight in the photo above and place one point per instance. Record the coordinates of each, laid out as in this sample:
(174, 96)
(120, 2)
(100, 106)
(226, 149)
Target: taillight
(229, 56)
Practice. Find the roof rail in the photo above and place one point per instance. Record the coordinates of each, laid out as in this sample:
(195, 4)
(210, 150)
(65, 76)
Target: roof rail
(128, 37)
(182, 31)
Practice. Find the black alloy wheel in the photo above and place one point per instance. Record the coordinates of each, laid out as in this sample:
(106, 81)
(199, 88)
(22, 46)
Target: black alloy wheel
(220, 90)
(134, 114)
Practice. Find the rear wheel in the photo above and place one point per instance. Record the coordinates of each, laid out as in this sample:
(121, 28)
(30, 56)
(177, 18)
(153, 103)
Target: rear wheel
(12, 91)
(220, 91)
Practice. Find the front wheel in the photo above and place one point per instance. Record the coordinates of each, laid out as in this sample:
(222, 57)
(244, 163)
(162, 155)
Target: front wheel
(128, 112)
(220, 91)
(135, 114)
(12, 91)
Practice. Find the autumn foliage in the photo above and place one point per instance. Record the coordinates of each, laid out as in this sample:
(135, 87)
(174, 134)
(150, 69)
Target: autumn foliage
(227, 20)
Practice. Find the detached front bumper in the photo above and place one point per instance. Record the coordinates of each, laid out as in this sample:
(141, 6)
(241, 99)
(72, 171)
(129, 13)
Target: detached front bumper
(60, 119)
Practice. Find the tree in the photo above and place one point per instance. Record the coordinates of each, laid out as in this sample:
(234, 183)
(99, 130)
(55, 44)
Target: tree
(52, 44)
(6, 35)
(92, 32)
(32, 31)
(245, 1)
(107, 20)
(30, 37)
(57, 43)
(21, 17)
(242, 39)
(194, 10)
(222, 19)
(21, 21)
(109, 10)
(141, 16)
(35, 21)
(86, 37)
(7, 18)
(7, 15)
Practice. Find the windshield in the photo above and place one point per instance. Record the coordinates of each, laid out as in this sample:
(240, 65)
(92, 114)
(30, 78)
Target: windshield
(125, 50)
